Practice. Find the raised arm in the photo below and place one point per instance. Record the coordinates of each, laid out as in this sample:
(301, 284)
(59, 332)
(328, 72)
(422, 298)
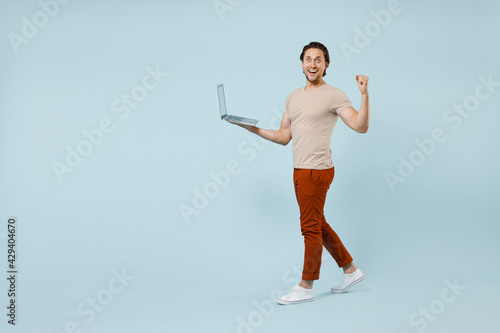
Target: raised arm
(281, 136)
(359, 120)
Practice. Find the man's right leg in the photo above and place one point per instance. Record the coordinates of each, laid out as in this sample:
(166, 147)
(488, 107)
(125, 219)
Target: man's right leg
(310, 194)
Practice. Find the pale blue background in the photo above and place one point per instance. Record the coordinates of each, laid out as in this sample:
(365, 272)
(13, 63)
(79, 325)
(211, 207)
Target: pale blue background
(120, 207)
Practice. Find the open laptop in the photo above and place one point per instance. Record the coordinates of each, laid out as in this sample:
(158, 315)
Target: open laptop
(228, 117)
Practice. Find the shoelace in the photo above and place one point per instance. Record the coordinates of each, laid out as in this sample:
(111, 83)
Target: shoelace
(291, 294)
(344, 277)
(341, 283)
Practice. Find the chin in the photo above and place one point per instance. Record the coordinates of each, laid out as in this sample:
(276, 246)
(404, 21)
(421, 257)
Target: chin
(312, 80)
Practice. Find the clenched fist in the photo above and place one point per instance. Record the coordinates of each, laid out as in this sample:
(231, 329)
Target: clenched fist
(362, 83)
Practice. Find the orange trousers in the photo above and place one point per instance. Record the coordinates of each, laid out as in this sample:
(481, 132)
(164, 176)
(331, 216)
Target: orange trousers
(311, 187)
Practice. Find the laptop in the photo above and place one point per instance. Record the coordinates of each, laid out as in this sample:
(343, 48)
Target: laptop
(228, 117)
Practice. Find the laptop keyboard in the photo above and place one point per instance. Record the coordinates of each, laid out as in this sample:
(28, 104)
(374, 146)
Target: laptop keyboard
(234, 118)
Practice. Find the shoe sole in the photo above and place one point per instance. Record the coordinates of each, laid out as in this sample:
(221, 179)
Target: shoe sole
(340, 291)
(280, 302)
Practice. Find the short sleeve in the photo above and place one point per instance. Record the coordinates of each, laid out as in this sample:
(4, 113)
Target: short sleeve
(286, 104)
(340, 101)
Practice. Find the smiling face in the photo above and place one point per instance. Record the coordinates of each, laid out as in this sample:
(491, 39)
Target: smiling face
(314, 65)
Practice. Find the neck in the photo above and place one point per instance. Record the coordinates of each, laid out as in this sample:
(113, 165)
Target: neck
(313, 85)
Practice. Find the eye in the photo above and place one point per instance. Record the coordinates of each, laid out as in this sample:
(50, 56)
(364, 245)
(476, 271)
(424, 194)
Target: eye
(317, 60)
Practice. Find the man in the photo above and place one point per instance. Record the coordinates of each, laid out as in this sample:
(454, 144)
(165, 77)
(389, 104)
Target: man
(310, 115)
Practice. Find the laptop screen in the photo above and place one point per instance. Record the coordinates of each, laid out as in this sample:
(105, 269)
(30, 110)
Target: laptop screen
(222, 100)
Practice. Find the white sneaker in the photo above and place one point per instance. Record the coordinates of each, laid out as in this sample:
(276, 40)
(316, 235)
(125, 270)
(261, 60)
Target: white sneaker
(348, 281)
(297, 295)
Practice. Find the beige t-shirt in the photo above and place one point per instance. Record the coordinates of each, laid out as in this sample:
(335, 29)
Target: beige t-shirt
(313, 115)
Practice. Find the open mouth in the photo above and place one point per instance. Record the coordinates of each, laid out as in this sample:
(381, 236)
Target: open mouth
(312, 72)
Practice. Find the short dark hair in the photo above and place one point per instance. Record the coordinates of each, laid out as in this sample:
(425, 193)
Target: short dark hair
(316, 45)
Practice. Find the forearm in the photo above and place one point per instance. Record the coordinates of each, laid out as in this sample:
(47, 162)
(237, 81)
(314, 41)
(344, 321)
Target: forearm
(271, 135)
(363, 117)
